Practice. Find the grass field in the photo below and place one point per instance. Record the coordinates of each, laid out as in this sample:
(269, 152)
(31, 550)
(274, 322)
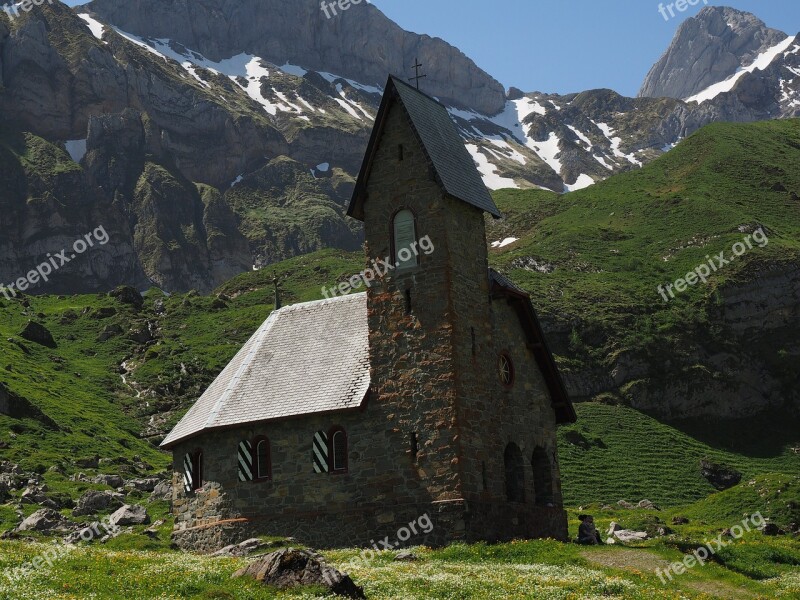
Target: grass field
(753, 567)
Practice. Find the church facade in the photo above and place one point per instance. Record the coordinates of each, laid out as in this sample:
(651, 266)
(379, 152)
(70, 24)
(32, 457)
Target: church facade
(432, 393)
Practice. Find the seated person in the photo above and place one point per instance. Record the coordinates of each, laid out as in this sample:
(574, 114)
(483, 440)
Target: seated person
(587, 532)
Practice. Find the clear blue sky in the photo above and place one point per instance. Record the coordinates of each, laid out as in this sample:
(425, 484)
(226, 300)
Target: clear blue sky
(564, 46)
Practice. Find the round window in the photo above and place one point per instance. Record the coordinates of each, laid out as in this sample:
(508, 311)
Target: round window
(506, 370)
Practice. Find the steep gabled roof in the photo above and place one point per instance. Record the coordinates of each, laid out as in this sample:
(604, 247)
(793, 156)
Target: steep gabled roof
(521, 302)
(443, 146)
(305, 359)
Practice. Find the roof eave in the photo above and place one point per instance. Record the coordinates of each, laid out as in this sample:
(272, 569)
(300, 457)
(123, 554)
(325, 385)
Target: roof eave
(172, 443)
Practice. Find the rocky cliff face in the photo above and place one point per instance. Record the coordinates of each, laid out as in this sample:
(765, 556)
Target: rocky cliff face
(154, 156)
(360, 43)
(708, 49)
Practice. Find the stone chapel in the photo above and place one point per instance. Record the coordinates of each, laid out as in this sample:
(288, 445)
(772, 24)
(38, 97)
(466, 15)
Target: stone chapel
(431, 393)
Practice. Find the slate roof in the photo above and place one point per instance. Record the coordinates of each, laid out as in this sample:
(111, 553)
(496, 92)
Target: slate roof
(452, 163)
(305, 359)
(314, 358)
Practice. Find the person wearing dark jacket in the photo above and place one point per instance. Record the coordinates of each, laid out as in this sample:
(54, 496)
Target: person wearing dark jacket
(587, 532)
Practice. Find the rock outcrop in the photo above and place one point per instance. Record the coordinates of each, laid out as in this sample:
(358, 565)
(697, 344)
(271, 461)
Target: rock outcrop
(130, 514)
(708, 49)
(291, 568)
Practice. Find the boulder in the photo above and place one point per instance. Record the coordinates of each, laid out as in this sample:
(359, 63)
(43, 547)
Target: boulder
(114, 481)
(94, 501)
(771, 529)
(679, 520)
(646, 504)
(143, 485)
(406, 556)
(38, 334)
(721, 477)
(625, 504)
(33, 495)
(104, 312)
(290, 568)
(130, 514)
(140, 334)
(628, 535)
(17, 407)
(88, 463)
(128, 295)
(162, 491)
(44, 520)
(91, 533)
(108, 332)
(152, 531)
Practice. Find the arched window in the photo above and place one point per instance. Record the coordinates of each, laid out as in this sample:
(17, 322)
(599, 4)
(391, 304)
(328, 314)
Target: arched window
(542, 477)
(515, 473)
(338, 450)
(193, 471)
(262, 459)
(406, 253)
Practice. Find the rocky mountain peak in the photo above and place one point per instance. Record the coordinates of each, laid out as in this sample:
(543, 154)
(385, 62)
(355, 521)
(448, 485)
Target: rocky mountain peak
(708, 49)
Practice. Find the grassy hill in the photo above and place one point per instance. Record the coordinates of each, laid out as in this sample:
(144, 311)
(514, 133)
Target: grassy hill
(617, 453)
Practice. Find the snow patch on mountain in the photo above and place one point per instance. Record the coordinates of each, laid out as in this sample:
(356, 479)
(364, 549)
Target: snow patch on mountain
(504, 243)
(581, 183)
(615, 144)
(95, 26)
(581, 136)
(761, 62)
(488, 171)
(548, 150)
(507, 149)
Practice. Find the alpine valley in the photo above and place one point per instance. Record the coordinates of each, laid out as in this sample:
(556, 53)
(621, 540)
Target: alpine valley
(217, 142)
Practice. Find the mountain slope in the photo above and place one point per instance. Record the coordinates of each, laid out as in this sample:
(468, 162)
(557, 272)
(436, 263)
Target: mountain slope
(594, 260)
(204, 162)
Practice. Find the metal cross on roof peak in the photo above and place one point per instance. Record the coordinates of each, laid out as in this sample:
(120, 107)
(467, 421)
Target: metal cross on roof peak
(416, 68)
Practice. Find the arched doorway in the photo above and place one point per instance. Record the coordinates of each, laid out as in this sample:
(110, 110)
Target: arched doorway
(515, 473)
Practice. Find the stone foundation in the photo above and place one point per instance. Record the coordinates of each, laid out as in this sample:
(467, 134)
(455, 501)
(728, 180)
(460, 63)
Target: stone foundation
(433, 525)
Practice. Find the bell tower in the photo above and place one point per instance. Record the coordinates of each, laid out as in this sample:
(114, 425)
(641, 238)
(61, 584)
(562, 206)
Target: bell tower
(422, 203)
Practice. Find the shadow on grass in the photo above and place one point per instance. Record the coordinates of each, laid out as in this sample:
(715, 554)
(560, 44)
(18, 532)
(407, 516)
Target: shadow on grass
(767, 435)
